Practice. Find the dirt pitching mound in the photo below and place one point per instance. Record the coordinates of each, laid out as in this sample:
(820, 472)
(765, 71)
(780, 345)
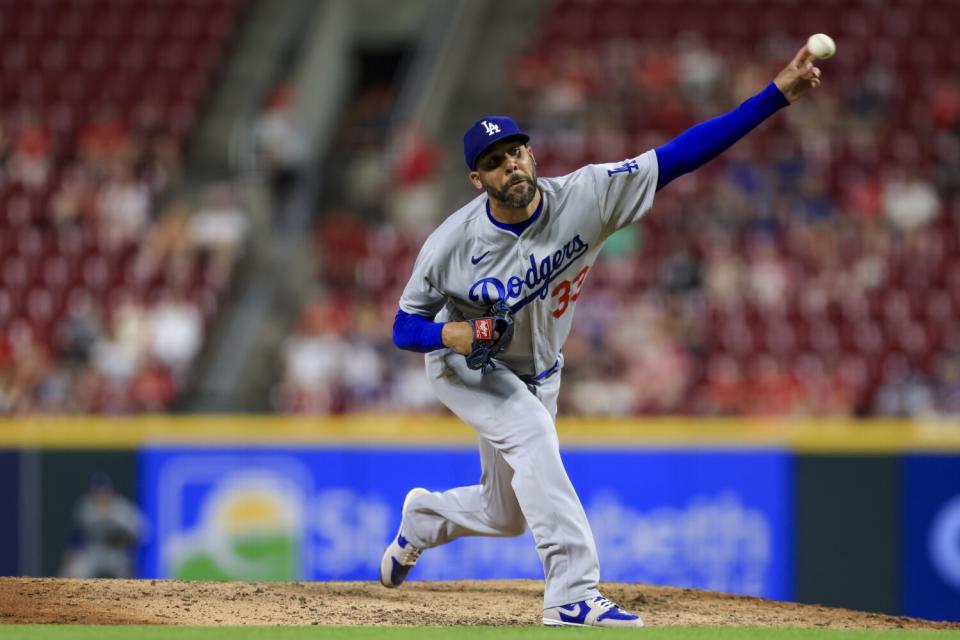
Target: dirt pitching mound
(493, 602)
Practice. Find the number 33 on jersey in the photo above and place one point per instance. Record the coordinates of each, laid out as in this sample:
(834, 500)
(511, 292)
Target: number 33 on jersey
(471, 260)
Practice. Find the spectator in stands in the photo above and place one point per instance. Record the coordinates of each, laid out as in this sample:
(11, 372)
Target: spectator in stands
(154, 152)
(9, 393)
(725, 391)
(725, 277)
(653, 365)
(313, 360)
(74, 202)
(945, 105)
(767, 276)
(947, 390)
(104, 141)
(823, 392)
(701, 72)
(174, 331)
(123, 207)
(33, 150)
(871, 98)
(120, 352)
(169, 240)
(220, 226)
(30, 363)
(414, 199)
(773, 390)
(80, 329)
(364, 374)
(862, 192)
(909, 201)
(904, 391)
(280, 142)
(152, 388)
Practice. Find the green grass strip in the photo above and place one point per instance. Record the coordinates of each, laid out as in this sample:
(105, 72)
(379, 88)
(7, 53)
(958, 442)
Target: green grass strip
(98, 632)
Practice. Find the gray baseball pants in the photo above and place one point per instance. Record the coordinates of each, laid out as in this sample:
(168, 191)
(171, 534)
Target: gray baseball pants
(523, 481)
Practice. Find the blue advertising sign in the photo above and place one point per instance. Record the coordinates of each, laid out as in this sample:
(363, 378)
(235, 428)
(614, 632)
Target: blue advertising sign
(10, 498)
(714, 520)
(931, 538)
(701, 519)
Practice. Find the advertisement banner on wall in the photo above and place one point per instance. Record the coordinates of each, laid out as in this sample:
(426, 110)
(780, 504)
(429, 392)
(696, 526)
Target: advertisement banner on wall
(932, 536)
(698, 519)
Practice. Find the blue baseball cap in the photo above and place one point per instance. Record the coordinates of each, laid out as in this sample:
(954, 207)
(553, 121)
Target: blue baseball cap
(486, 132)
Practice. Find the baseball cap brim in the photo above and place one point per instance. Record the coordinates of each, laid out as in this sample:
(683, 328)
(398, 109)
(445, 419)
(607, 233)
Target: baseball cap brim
(522, 137)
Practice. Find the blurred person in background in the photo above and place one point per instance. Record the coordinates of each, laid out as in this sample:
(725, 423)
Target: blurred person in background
(910, 202)
(414, 161)
(154, 151)
(947, 392)
(106, 530)
(74, 201)
(726, 391)
(33, 149)
(123, 206)
(313, 358)
(904, 391)
(280, 142)
(175, 331)
(104, 141)
(220, 226)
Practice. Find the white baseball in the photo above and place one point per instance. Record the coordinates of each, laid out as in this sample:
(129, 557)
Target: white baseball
(821, 45)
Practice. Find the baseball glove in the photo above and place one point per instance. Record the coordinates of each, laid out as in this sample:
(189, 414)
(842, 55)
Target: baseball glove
(491, 335)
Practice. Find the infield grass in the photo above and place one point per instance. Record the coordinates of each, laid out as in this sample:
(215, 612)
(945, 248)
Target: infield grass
(130, 632)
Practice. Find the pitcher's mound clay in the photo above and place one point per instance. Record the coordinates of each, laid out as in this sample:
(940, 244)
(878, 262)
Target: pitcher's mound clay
(494, 602)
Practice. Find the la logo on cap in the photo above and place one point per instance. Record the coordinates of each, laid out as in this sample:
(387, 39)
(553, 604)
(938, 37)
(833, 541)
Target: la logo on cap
(490, 128)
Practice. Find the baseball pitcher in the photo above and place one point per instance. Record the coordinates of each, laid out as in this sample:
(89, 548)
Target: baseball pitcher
(491, 300)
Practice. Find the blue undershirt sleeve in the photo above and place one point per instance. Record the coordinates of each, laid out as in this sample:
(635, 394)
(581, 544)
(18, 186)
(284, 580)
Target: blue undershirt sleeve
(702, 143)
(416, 333)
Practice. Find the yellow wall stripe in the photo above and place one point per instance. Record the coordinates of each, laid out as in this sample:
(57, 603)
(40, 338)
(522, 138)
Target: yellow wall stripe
(839, 436)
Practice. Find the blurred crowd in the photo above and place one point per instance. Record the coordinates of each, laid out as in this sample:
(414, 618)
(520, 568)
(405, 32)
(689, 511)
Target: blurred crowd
(108, 279)
(107, 283)
(813, 270)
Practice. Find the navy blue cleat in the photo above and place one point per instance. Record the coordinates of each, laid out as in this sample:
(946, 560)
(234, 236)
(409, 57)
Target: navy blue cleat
(592, 612)
(400, 556)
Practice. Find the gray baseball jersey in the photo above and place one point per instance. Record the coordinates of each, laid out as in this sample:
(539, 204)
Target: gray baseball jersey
(469, 262)
(466, 265)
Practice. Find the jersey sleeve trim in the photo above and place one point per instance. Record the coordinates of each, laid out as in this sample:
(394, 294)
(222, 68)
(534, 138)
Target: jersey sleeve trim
(413, 332)
(625, 190)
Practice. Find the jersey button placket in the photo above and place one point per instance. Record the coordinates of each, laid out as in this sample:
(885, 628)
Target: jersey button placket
(531, 317)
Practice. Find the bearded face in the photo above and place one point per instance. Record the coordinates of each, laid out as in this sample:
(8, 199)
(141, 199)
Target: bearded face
(517, 193)
(508, 173)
